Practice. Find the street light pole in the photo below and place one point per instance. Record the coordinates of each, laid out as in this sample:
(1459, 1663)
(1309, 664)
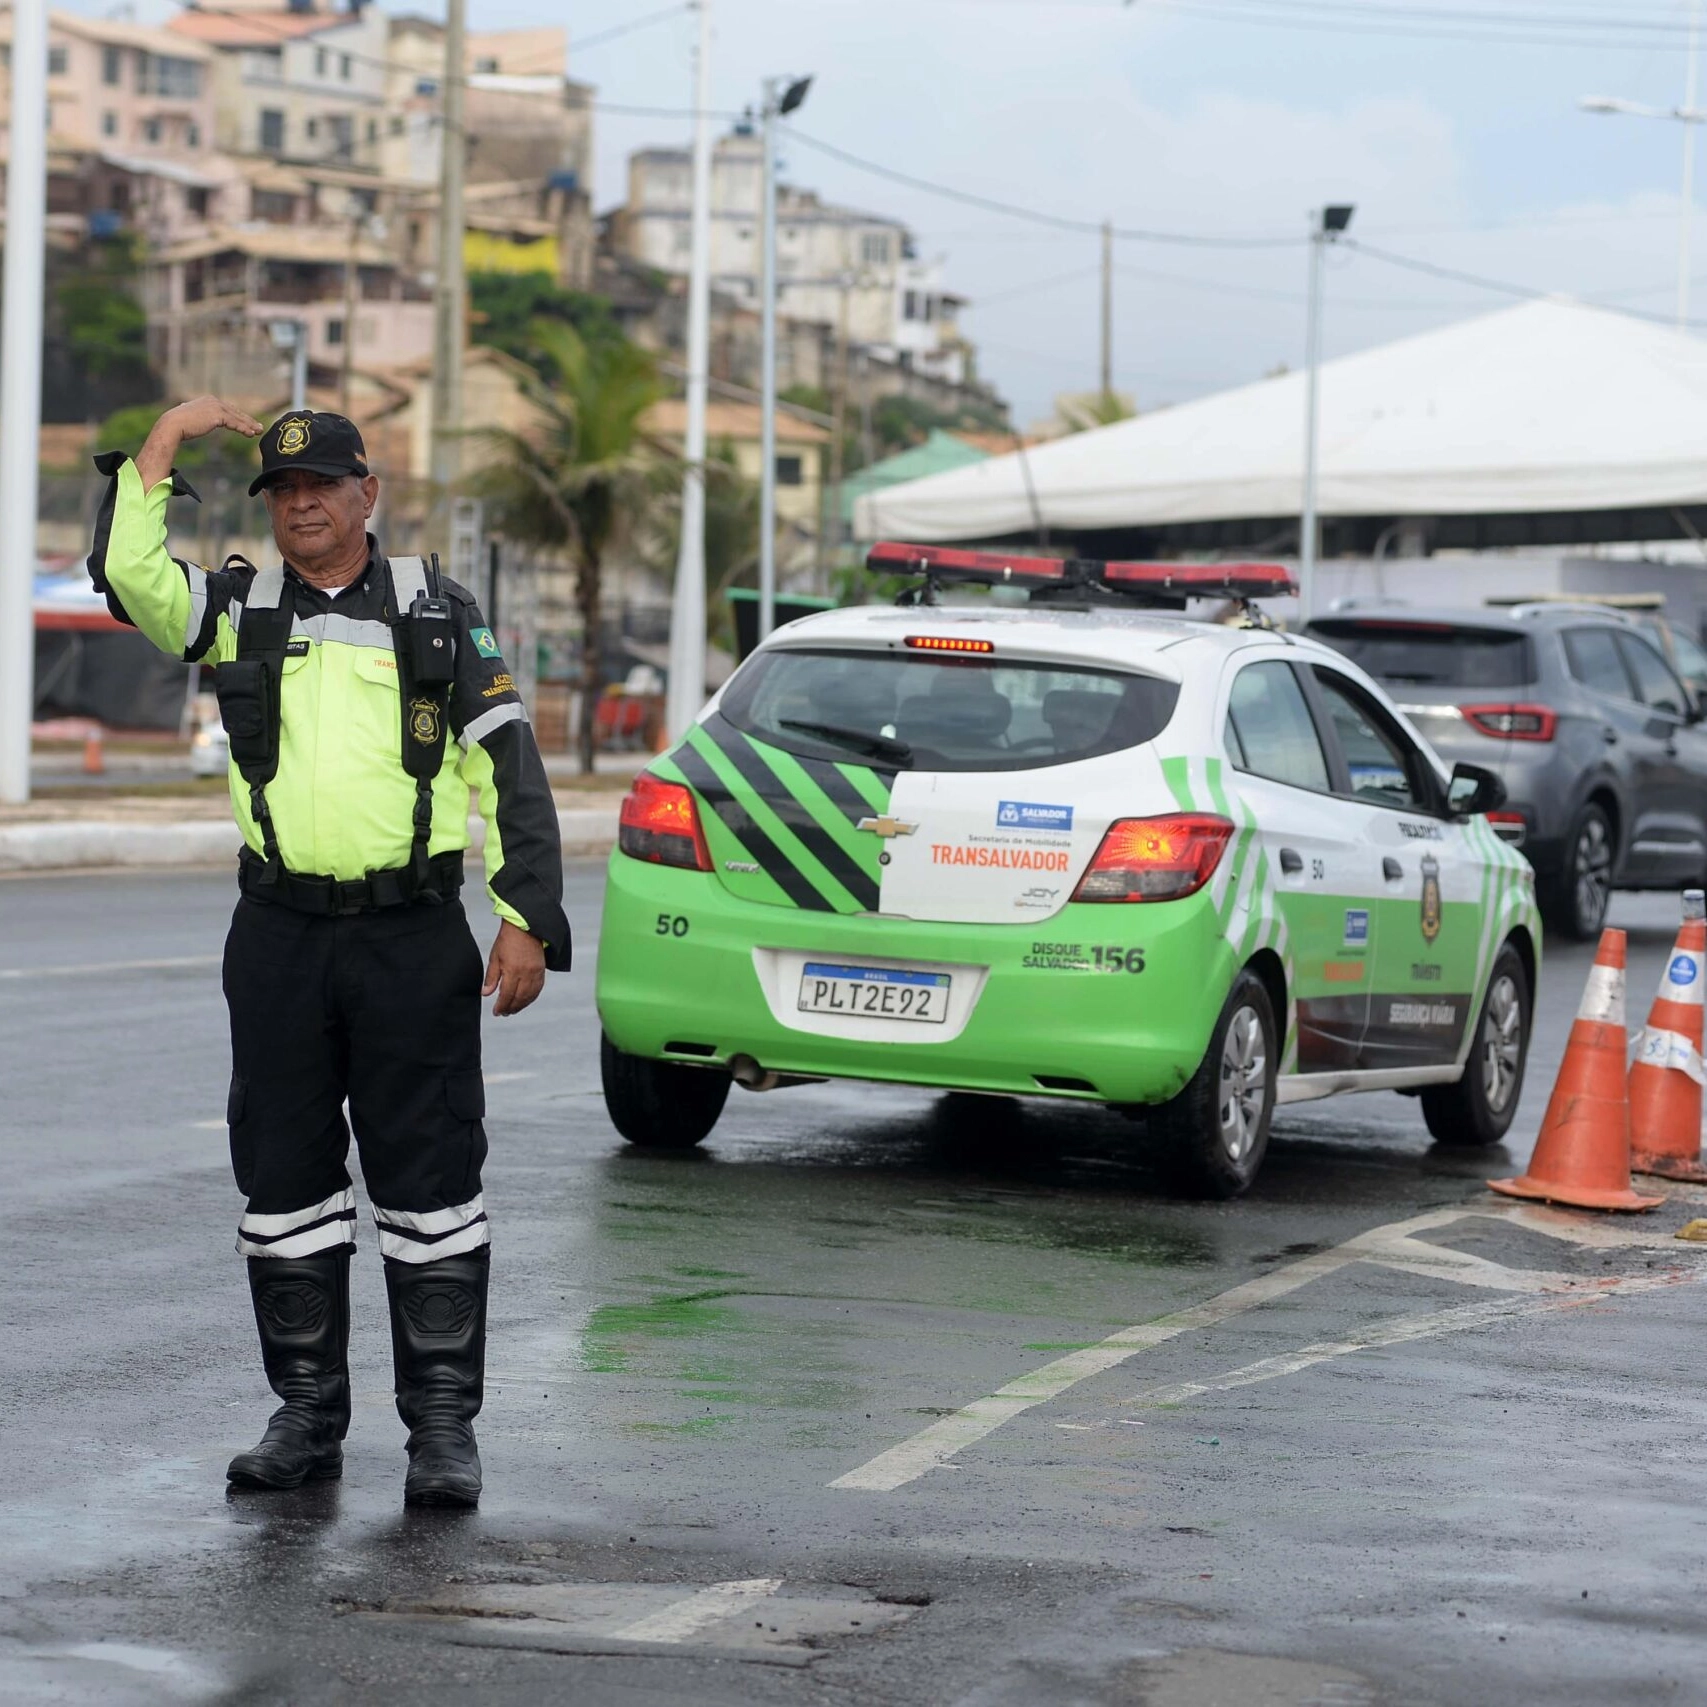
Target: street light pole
(20, 392)
(686, 691)
(792, 93)
(449, 307)
(1326, 225)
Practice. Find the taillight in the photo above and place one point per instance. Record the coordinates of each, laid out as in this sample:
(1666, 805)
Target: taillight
(1512, 722)
(660, 824)
(1155, 859)
(1509, 827)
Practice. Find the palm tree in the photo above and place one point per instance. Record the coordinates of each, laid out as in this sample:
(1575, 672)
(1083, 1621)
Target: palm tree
(578, 479)
(731, 536)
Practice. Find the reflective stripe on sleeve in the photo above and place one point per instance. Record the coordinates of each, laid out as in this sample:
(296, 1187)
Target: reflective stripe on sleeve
(478, 728)
(426, 1235)
(198, 609)
(325, 1226)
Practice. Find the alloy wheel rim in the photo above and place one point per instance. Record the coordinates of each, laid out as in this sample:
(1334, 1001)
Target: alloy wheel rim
(1593, 873)
(1244, 1083)
(1502, 1043)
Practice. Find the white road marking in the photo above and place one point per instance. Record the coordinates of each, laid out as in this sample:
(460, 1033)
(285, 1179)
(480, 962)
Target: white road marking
(1391, 1246)
(508, 1078)
(167, 965)
(688, 1617)
(1401, 1331)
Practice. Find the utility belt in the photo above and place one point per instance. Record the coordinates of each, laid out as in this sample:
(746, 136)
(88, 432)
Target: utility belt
(250, 688)
(337, 898)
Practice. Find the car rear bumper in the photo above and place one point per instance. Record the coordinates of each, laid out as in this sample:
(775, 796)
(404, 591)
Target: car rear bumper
(1041, 1015)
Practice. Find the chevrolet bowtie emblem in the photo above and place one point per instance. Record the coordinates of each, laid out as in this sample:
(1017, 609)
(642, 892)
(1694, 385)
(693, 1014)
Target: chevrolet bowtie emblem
(886, 826)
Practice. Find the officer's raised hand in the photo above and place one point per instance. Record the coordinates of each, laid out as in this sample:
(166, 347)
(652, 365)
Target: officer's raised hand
(184, 422)
(515, 969)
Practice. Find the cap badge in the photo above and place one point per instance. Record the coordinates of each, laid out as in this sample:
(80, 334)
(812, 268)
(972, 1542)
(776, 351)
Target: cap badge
(293, 437)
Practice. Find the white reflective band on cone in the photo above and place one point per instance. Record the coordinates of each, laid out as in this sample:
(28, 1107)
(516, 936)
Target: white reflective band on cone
(1682, 980)
(1669, 1049)
(1603, 996)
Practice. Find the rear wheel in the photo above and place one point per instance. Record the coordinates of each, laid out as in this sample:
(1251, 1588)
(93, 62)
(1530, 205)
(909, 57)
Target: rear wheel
(660, 1105)
(1215, 1132)
(1478, 1110)
(1574, 901)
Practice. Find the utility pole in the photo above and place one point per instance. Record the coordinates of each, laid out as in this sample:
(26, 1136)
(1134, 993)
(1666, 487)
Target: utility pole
(1690, 88)
(348, 369)
(1107, 309)
(299, 366)
(449, 309)
(686, 691)
(1326, 225)
(20, 392)
(780, 96)
(839, 417)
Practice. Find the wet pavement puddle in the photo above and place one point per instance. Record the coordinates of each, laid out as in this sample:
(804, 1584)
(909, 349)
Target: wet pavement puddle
(760, 1619)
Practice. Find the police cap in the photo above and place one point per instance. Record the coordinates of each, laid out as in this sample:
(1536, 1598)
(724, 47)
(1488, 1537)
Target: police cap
(314, 439)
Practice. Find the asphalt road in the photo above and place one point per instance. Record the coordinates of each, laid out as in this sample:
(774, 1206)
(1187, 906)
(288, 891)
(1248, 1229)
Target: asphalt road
(831, 1411)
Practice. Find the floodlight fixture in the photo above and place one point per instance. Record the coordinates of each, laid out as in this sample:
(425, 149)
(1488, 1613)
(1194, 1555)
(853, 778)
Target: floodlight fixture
(1336, 219)
(794, 95)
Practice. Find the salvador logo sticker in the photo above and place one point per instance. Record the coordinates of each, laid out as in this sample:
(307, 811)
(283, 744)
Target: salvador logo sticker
(1030, 815)
(1430, 898)
(485, 642)
(293, 437)
(424, 721)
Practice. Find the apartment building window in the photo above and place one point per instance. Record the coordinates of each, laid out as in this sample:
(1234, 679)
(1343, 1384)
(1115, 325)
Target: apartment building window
(910, 307)
(373, 130)
(397, 126)
(344, 67)
(874, 248)
(274, 206)
(312, 129)
(322, 59)
(151, 131)
(112, 66)
(161, 74)
(343, 129)
(272, 130)
(109, 123)
(195, 202)
(789, 471)
(57, 61)
(487, 67)
(335, 331)
(192, 136)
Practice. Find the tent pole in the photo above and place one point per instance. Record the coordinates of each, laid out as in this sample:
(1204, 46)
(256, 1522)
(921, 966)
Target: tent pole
(1307, 531)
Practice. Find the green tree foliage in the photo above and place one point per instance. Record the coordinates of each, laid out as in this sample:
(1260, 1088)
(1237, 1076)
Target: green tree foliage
(731, 537)
(96, 336)
(580, 480)
(508, 306)
(899, 423)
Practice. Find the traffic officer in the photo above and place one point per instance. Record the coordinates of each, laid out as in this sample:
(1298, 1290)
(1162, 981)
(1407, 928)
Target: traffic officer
(350, 971)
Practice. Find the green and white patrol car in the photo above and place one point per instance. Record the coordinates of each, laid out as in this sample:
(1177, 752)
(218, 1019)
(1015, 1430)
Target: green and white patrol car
(1076, 848)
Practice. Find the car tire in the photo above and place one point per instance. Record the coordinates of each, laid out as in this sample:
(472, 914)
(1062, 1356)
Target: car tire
(660, 1105)
(1478, 1109)
(1214, 1134)
(1575, 899)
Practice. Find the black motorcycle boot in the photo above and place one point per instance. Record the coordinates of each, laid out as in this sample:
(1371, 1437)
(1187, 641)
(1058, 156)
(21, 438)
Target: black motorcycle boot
(302, 1309)
(438, 1345)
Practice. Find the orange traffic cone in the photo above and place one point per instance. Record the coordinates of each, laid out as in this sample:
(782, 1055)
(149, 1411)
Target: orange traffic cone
(1583, 1154)
(1666, 1076)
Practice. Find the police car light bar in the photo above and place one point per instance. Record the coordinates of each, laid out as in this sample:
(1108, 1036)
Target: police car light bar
(1170, 582)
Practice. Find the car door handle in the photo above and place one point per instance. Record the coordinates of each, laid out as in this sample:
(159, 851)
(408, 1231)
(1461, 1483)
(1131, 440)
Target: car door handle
(1291, 861)
(1391, 869)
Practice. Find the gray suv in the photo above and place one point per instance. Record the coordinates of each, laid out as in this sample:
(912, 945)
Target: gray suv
(1597, 740)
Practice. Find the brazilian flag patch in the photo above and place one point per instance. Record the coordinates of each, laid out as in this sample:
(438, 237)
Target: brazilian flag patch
(485, 642)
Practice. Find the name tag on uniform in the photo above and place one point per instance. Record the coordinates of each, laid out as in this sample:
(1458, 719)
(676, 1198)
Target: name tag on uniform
(296, 648)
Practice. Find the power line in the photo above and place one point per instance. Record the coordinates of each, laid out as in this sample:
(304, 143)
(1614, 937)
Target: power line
(1037, 216)
(630, 27)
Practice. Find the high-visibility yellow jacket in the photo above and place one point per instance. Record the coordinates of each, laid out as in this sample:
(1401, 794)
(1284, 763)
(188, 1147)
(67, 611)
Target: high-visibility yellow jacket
(342, 804)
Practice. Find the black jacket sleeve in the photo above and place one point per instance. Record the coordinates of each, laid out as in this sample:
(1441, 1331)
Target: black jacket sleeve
(500, 762)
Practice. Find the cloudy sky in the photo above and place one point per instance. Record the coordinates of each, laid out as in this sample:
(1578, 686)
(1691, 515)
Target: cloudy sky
(1452, 124)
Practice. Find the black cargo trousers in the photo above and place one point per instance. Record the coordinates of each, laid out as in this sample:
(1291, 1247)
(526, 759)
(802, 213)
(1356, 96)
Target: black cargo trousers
(381, 1009)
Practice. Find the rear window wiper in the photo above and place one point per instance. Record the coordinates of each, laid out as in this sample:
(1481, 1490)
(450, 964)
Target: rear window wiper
(876, 746)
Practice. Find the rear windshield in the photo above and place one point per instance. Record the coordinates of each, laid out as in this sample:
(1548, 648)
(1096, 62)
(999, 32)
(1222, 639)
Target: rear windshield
(907, 712)
(1435, 655)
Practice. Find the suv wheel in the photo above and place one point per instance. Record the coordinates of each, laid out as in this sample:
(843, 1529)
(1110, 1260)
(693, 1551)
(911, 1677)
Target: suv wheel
(1575, 900)
(1478, 1110)
(660, 1105)
(1214, 1134)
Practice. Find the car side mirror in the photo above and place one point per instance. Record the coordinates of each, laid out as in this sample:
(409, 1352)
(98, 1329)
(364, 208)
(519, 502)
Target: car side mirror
(1474, 790)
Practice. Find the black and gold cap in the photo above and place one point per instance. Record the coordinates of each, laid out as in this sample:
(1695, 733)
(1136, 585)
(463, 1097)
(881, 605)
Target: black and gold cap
(313, 439)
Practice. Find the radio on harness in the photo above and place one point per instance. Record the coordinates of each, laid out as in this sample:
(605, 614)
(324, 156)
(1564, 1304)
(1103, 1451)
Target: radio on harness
(1064, 579)
(430, 632)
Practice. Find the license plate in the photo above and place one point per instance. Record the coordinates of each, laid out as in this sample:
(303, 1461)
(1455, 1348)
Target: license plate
(874, 992)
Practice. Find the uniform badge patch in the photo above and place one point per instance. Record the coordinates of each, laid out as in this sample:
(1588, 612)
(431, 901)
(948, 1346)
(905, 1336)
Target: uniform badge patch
(293, 437)
(485, 642)
(1431, 898)
(424, 721)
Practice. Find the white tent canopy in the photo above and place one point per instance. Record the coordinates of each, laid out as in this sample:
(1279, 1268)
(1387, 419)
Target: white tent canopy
(1548, 407)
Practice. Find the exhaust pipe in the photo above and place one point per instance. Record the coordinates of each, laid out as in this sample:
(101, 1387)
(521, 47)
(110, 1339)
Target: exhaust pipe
(750, 1076)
